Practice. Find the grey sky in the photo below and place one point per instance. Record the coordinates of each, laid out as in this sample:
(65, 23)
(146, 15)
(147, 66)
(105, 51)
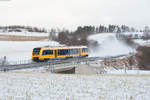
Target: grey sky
(71, 13)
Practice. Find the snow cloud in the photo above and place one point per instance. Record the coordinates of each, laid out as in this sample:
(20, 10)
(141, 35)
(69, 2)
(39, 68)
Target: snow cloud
(71, 13)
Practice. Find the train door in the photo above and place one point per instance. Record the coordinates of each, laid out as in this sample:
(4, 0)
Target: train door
(55, 53)
(80, 51)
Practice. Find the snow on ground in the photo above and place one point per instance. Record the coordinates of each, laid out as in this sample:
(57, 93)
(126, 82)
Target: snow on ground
(133, 72)
(109, 45)
(134, 34)
(38, 69)
(25, 34)
(46, 86)
(138, 35)
(142, 42)
(16, 51)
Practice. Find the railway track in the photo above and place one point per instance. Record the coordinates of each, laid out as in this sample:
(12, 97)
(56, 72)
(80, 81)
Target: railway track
(8, 67)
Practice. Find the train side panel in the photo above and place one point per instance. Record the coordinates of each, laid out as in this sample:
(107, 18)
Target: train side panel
(67, 53)
(47, 54)
(40, 54)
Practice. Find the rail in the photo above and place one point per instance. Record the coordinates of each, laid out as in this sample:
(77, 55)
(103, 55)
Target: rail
(52, 63)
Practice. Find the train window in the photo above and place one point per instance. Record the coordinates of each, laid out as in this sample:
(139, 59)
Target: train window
(36, 51)
(75, 51)
(70, 52)
(84, 50)
(62, 52)
(47, 52)
(59, 52)
(66, 51)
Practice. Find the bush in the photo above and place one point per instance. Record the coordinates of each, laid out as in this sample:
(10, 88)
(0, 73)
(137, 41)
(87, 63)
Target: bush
(143, 56)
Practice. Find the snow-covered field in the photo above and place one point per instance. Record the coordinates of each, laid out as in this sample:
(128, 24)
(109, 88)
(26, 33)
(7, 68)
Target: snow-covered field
(46, 86)
(37, 84)
(25, 34)
(109, 45)
(15, 51)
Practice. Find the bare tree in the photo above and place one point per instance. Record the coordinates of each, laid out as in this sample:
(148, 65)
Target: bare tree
(146, 32)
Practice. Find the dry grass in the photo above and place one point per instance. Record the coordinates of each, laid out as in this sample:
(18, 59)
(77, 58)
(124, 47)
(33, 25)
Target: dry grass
(21, 38)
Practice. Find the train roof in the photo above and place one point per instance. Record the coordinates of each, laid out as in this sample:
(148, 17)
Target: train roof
(63, 47)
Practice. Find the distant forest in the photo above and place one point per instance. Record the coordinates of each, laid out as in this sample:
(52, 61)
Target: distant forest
(19, 28)
(91, 29)
(79, 36)
(76, 37)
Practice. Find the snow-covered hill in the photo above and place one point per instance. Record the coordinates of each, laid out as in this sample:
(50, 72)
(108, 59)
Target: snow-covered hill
(108, 45)
(16, 51)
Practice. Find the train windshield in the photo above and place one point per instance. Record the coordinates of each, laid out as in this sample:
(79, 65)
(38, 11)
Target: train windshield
(36, 51)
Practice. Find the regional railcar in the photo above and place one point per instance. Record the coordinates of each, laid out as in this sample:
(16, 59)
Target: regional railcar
(60, 52)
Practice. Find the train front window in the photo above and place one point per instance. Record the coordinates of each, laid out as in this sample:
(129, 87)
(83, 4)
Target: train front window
(36, 51)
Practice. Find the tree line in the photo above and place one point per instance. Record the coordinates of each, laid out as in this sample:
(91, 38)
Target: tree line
(92, 29)
(79, 36)
(20, 28)
(76, 37)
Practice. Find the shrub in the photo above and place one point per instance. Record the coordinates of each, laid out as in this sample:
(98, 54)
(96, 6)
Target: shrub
(143, 56)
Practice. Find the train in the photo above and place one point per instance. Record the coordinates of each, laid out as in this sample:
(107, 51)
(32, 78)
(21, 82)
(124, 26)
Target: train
(58, 52)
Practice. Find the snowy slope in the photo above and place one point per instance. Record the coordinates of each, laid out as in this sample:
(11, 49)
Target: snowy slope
(21, 50)
(108, 45)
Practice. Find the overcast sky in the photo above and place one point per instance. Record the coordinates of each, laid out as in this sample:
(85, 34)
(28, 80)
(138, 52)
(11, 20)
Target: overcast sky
(72, 13)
